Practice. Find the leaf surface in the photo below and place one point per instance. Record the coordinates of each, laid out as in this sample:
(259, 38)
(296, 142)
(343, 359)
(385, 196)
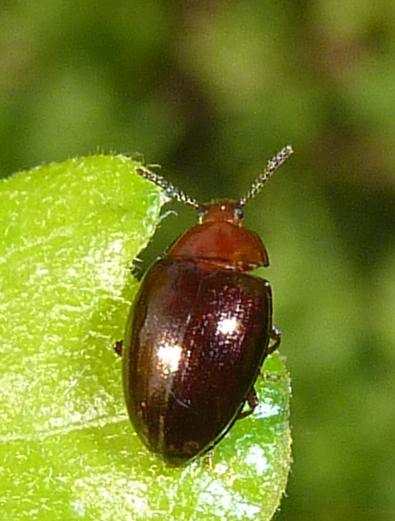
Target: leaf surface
(67, 450)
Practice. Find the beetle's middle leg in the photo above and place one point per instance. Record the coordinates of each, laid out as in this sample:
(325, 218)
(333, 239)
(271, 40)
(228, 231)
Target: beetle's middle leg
(275, 340)
(252, 400)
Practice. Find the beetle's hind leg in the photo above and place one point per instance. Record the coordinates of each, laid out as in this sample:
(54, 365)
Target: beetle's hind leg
(275, 340)
(207, 459)
(118, 347)
(252, 400)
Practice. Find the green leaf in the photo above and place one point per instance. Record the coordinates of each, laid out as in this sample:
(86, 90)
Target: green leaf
(67, 450)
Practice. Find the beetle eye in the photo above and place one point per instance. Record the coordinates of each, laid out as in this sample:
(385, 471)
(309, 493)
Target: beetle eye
(202, 212)
(239, 213)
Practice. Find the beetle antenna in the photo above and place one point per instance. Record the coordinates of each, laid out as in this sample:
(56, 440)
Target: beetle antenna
(169, 189)
(271, 167)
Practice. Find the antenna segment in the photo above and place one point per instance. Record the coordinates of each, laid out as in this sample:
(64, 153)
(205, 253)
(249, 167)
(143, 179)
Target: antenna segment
(271, 167)
(167, 187)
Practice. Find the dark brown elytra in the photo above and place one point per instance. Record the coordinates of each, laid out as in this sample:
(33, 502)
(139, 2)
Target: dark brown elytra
(199, 329)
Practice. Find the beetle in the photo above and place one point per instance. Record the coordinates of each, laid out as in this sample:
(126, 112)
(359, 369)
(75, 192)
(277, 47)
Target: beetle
(199, 329)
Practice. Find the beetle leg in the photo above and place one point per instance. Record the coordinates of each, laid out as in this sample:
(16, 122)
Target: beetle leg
(252, 400)
(136, 269)
(275, 336)
(207, 459)
(118, 347)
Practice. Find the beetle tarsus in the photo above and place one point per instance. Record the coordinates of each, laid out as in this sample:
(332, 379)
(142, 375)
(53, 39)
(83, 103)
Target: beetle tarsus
(136, 270)
(118, 347)
(208, 460)
(275, 337)
(252, 400)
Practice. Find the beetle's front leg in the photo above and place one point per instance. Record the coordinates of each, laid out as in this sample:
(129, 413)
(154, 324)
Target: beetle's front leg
(275, 337)
(118, 347)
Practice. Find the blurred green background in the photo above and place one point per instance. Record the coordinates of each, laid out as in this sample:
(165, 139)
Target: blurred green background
(211, 90)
